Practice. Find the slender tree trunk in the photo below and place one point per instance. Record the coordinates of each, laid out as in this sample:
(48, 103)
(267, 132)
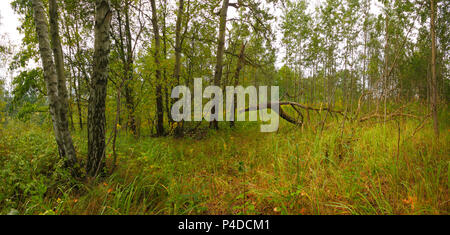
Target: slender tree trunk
(239, 66)
(159, 98)
(76, 76)
(77, 94)
(70, 110)
(116, 123)
(97, 96)
(167, 85)
(434, 90)
(220, 50)
(177, 69)
(129, 98)
(129, 95)
(62, 89)
(365, 29)
(176, 73)
(124, 43)
(59, 118)
(386, 67)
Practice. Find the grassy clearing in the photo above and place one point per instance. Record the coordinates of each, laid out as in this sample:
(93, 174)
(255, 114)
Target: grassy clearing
(366, 169)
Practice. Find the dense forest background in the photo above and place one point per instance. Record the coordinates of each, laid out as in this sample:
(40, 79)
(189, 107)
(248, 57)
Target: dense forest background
(85, 124)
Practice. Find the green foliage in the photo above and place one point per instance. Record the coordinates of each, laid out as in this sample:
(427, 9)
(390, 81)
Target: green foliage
(28, 94)
(28, 83)
(30, 171)
(333, 55)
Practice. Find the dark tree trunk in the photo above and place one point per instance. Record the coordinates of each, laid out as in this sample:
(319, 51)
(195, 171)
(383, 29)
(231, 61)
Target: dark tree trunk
(220, 51)
(158, 86)
(434, 90)
(239, 66)
(129, 95)
(97, 97)
(167, 85)
(176, 72)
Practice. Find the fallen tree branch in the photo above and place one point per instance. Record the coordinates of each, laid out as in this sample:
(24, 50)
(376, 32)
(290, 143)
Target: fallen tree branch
(295, 106)
(376, 115)
(421, 125)
(281, 103)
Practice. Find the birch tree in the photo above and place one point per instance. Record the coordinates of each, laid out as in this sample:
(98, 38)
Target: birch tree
(54, 78)
(97, 94)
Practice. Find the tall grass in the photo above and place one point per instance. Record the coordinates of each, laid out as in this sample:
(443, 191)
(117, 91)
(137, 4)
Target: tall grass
(365, 168)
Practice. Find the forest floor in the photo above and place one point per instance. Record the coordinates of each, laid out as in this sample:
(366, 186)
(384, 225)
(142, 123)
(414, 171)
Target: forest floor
(368, 168)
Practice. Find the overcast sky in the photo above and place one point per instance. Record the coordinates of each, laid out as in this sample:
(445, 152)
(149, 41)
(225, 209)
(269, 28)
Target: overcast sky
(9, 21)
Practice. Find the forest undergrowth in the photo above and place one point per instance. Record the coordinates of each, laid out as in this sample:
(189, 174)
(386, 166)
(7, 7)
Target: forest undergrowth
(373, 167)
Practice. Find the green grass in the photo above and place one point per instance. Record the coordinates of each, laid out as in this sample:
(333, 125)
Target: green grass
(366, 169)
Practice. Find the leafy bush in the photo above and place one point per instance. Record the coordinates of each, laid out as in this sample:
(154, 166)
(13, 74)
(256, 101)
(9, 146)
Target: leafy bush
(30, 172)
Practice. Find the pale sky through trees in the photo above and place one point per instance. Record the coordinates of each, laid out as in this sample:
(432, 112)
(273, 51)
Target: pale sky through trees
(10, 21)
